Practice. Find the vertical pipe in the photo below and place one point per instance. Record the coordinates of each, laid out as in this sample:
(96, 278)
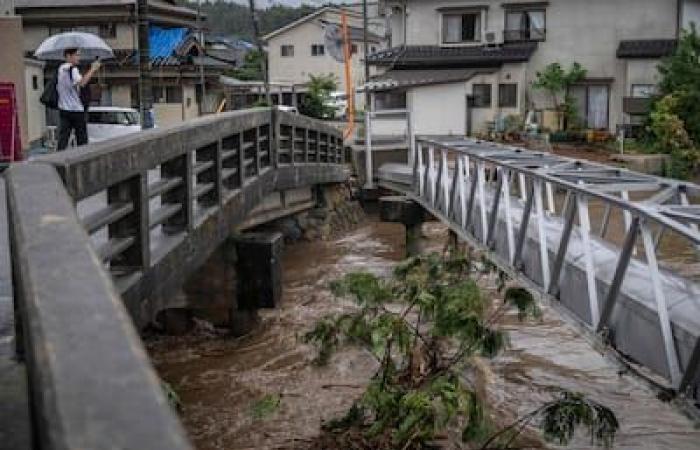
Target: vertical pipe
(261, 50)
(145, 80)
(368, 101)
(202, 80)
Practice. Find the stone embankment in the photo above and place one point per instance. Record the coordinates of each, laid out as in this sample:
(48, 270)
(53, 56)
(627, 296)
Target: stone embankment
(337, 212)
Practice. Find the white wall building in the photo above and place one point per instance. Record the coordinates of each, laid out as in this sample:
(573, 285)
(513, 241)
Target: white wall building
(459, 66)
(297, 51)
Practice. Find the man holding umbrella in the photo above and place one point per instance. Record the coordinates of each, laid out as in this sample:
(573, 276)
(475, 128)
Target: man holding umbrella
(70, 48)
(70, 106)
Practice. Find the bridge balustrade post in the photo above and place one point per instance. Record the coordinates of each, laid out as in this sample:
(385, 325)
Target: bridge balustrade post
(276, 140)
(293, 146)
(258, 150)
(316, 135)
(178, 168)
(134, 225)
(208, 168)
(338, 146)
(219, 171)
(241, 158)
(321, 145)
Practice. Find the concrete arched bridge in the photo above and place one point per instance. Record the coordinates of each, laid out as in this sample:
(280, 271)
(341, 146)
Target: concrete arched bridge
(617, 250)
(152, 208)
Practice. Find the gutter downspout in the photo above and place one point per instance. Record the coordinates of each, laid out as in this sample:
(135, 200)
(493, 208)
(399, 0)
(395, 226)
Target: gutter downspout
(405, 22)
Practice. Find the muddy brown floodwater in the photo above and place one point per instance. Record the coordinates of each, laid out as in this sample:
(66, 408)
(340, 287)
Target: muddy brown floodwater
(221, 380)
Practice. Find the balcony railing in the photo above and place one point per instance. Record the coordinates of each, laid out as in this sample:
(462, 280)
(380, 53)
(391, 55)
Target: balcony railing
(525, 35)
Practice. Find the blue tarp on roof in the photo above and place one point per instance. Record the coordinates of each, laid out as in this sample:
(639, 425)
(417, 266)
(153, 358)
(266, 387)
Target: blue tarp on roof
(164, 41)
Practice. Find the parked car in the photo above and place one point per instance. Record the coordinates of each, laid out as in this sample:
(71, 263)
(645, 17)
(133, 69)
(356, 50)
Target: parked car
(107, 122)
(288, 109)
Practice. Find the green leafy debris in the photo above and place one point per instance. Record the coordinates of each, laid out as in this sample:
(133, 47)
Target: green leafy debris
(266, 406)
(172, 396)
(423, 326)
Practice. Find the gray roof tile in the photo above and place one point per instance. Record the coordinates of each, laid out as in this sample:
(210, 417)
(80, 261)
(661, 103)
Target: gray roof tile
(397, 79)
(417, 56)
(646, 48)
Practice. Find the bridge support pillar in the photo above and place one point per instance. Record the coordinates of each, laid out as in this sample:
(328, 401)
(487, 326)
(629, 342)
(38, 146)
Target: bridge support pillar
(397, 209)
(259, 274)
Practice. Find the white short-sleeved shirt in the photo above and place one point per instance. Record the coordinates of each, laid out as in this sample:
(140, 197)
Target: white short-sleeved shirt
(69, 88)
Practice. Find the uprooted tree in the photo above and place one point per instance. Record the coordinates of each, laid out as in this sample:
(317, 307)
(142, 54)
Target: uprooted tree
(424, 327)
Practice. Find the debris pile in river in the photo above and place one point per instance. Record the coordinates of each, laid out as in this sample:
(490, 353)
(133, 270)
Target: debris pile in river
(424, 327)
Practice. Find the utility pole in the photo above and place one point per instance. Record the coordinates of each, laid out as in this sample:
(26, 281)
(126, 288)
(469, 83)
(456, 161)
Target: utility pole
(261, 50)
(369, 182)
(202, 80)
(144, 51)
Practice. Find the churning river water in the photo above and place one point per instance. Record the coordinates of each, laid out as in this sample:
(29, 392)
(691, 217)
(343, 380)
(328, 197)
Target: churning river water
(223, 381)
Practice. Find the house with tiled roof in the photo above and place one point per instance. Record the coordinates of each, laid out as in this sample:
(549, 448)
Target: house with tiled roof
(462, 66)
(176, 53)
(297, 50)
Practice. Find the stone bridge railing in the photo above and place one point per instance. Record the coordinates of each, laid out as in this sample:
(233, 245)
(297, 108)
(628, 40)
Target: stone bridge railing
(152, 207)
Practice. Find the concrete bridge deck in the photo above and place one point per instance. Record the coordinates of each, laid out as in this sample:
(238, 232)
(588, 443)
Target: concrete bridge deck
(509, 202)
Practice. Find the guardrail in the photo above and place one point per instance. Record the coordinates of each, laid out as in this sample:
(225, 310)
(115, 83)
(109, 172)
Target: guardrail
(582, 248)
(152, 207)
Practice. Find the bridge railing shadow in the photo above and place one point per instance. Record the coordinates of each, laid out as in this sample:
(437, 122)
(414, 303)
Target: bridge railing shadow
(598, 240)
(102, 236)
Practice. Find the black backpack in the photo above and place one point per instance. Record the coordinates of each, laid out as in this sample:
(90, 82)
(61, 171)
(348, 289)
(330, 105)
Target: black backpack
(50, 95)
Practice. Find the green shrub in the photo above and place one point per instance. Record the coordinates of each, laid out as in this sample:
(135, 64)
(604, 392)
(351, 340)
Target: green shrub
(315, 102)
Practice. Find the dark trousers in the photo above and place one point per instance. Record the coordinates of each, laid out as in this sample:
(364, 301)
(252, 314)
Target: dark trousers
(72, 121)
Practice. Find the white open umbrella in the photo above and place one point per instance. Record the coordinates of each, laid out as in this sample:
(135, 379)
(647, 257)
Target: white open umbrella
(91, 46)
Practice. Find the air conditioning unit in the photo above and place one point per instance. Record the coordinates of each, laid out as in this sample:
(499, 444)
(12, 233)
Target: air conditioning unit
(490, 38)
(7, 7)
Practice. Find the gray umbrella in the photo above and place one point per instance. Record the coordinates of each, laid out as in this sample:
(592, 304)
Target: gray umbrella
(90, 45)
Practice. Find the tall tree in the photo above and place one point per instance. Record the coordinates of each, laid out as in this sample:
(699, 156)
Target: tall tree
(680, 77)
(224, 17)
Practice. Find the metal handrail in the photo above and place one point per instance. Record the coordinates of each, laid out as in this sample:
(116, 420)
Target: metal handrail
(546, 174)
(468, 174)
